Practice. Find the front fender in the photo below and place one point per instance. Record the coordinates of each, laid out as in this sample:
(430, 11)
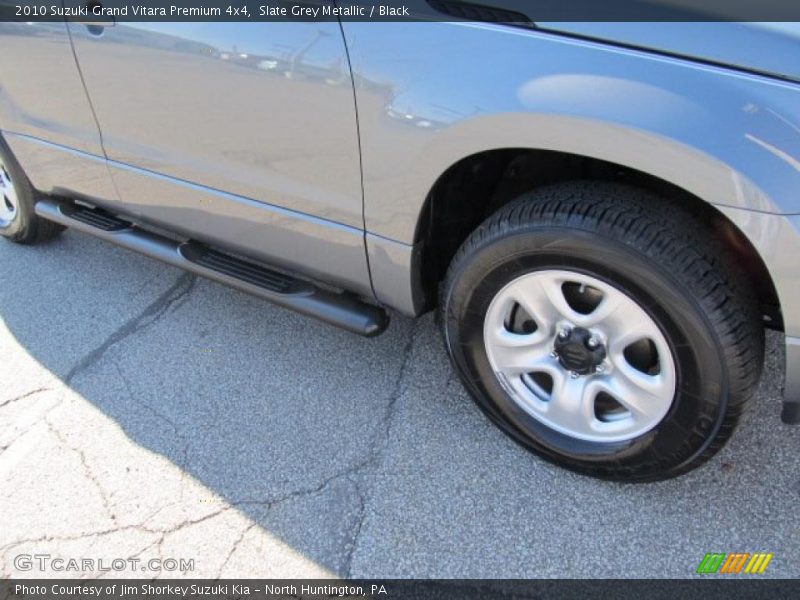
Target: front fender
(431, 94)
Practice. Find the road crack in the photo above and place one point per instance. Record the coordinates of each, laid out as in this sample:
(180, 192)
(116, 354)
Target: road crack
(87, 469)
(388, 420)
(174, 296)
(235, 547)
(24, 396)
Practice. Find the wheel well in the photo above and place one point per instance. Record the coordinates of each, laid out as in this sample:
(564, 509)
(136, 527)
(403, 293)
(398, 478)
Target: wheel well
(475, 187)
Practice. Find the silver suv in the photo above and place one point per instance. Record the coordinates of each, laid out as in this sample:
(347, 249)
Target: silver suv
(605, 215)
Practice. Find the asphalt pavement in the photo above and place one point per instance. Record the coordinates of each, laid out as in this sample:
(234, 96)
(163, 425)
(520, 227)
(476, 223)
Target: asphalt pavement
(148, 414)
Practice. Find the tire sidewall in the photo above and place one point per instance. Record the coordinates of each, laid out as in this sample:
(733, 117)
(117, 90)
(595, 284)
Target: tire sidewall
(699, 405)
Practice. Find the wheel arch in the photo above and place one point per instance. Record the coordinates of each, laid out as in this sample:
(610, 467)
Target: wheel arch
(471, 186)
(703, 175)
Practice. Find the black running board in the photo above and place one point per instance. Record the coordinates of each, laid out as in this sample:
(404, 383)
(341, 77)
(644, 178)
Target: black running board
(340, 309)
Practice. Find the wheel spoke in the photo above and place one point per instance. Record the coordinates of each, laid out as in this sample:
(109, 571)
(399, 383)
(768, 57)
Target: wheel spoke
(571, 405)
(533, 298)
(546, 363)
(552, 287)
(643, 395)
(515, 353)
(611, 311)
(623, 323)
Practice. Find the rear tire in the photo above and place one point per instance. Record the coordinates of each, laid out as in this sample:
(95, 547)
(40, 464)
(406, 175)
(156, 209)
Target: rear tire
(594, 246)
(18, 221)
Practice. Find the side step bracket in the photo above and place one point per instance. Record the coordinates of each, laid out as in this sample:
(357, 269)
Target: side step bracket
(337, 308)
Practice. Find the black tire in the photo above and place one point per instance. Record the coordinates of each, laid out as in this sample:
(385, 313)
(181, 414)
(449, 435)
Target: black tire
(25, 227)
(661, 257)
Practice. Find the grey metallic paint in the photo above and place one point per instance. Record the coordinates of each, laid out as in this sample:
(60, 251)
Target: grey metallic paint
(396, 273)
(260, 110)
(429, 95)
(53, 105)
(59, 170)
(723, 43)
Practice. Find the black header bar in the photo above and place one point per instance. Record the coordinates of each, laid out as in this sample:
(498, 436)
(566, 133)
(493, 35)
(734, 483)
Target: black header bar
(516, 12)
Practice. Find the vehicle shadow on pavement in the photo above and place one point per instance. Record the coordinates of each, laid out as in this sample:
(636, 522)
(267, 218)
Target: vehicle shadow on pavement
(263, 443)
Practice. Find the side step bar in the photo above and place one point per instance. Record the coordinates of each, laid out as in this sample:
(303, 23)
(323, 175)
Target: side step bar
(340, 309)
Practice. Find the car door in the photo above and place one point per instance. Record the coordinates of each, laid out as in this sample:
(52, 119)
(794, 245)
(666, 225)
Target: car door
(45, 115)
(239, 134)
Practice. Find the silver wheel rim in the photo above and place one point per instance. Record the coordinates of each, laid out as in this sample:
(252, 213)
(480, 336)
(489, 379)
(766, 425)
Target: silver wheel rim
(9, 201)
(580, 356)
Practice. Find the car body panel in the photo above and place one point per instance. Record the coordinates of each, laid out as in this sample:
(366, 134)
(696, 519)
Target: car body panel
(724, 43)
(396, 274)
(279, 183)
(260, 110)
(428, 96)
(63, 171)
(316, 247)
(53, 105)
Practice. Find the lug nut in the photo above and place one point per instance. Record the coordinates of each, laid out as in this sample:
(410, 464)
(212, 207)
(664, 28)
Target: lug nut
(592, 342)
(601, 368)
(554, 354)
(574, 374)
(564, 333)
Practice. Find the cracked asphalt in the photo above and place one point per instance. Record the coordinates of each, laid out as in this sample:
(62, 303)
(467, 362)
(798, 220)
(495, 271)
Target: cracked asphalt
(145, 413)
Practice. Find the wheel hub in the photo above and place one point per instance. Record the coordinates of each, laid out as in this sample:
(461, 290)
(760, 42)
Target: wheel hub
(579, 351)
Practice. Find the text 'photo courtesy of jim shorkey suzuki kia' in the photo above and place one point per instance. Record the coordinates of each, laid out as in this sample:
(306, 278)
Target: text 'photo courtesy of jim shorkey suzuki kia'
(605, 216)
